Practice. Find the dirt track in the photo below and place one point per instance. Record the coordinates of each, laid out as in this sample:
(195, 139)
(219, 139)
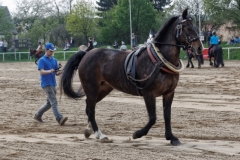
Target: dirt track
(205, 117)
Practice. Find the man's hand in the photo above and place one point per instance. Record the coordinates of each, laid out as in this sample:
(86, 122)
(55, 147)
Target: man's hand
(58, 73)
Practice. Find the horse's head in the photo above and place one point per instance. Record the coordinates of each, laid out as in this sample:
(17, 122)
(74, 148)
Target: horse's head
(187, 35)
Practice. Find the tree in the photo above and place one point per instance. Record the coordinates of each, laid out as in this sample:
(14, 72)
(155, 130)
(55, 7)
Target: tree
(160, 4)
(105, 5)
(38, 19)
(81, 19)
(224, 11)
(195, 7)
(116, 23)
(6, 23)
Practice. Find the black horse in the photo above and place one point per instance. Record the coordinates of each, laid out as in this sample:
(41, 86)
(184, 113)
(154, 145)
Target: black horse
(191, 55)
(149, 72)
(37, 56)
(216, 53)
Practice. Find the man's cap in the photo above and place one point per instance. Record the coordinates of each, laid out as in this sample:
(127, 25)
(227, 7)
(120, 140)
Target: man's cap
(50, 46)
(123, 43)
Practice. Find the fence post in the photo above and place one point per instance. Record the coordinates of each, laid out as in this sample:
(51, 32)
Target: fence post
(19, 56)
(64, 56)
(228, 53)
(3, 57)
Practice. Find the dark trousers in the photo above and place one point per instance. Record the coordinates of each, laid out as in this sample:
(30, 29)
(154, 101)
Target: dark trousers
(210, 48)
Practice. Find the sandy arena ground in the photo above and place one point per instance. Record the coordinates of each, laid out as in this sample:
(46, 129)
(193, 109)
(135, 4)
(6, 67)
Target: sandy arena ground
(205, 117)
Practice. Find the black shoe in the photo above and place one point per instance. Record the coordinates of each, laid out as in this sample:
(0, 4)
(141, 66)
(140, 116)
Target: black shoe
(62, 121)
(37, 118)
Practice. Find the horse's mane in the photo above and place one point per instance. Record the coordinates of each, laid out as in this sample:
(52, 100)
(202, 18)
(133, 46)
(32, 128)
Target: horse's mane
(163, 29)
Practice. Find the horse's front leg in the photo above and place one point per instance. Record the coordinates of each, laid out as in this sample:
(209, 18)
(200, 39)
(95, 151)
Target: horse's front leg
(167, 103)
(210, 61)
(150, 102)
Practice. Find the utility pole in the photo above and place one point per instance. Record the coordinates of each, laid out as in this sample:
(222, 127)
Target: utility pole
(199, 17)
(130, 22)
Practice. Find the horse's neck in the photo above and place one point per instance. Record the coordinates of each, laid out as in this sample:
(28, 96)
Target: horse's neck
(170, 53)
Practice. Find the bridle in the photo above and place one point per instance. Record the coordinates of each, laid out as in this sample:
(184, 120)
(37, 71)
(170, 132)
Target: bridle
(179, 28)
(189, 40)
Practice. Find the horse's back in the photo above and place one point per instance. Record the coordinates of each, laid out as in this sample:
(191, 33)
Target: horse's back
(105, 67)
(105, 61)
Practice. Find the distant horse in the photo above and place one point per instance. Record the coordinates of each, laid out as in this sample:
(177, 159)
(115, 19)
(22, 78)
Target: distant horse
(192, 55)
(149, 72)
(37, 56)
(217, 53)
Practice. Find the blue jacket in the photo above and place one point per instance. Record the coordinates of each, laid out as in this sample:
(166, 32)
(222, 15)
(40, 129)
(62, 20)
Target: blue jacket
(214, 40)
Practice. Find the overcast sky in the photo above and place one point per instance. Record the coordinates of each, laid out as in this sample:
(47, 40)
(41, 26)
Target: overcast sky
(11, 4)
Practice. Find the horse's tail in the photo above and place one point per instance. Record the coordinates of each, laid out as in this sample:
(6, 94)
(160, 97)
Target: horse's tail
(67, 75)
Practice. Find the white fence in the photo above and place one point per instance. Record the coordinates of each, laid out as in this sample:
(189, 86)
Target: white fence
(231, 48)
(19, 55)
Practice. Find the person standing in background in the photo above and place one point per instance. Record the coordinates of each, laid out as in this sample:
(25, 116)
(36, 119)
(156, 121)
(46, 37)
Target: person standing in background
(40, 48)
(1, 45)
(72, 42)
(90, 44)
(133, 38)
(5, 45)
(123, 47)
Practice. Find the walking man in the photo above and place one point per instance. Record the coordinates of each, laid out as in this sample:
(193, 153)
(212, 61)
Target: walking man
(48, 65)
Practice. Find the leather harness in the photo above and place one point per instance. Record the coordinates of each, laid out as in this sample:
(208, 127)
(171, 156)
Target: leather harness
(130, 67)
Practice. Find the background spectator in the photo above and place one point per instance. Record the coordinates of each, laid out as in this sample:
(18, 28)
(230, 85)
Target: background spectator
(94, 43)
(66, 45)
(123, 47)
(133, 40)
(236, 40)
(72, 42)
(115, 45)
(5, 45)
(1, 45)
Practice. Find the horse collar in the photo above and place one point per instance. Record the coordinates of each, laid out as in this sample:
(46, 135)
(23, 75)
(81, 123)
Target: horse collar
(170, 68)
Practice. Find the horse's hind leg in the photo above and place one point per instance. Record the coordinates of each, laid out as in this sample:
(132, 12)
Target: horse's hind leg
(167, 103)
(150, 102)
(103, 90)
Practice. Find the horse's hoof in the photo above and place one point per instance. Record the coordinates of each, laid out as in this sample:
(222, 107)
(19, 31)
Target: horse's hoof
(105, 140)
(175, 143)
(192, 67)
(136, 135)
(88, 132)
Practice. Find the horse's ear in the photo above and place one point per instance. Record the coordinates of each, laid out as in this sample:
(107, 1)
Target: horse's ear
(185, 13)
